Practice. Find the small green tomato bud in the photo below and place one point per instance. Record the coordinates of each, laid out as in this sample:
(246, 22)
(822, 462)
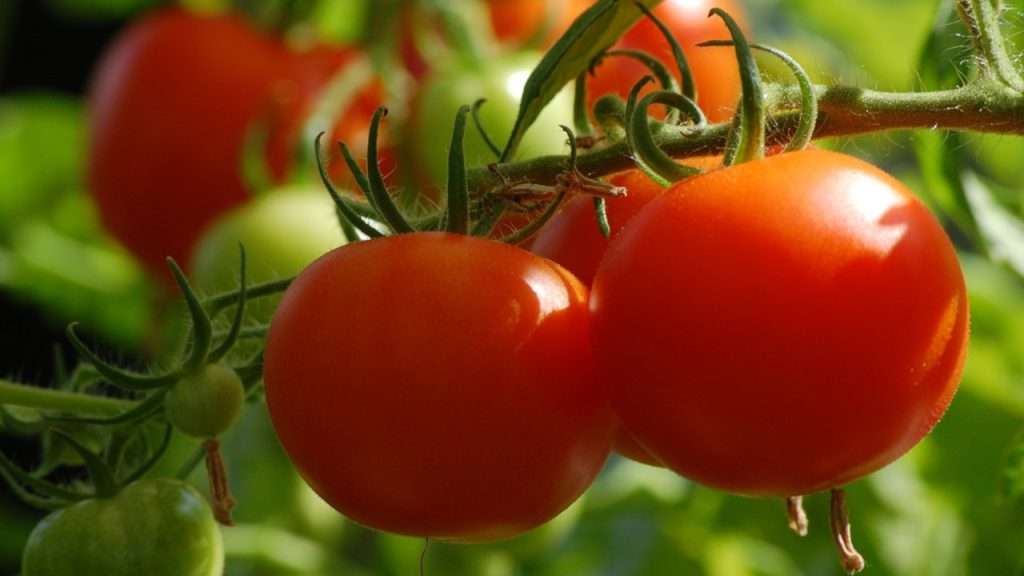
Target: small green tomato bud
(207, 403)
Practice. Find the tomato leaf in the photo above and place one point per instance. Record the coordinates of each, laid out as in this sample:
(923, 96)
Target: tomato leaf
(593, 32)
(1002, 231)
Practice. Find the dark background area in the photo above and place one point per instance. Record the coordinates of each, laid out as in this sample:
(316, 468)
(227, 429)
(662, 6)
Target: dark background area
(41, 51)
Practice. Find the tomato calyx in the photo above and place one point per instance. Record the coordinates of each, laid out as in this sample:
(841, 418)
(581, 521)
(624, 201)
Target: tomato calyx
(462, 213)
(201, 397)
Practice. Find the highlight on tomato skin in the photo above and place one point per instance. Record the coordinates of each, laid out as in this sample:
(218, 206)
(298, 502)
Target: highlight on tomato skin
(805, 323)
(438, 385)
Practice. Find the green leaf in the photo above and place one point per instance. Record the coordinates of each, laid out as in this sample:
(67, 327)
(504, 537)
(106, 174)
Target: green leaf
(1002, 231)
(592, 33)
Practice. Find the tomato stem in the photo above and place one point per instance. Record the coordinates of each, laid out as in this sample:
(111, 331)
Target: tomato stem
(982, 20)
(844, 111)
(13, 394)
(797, 515)
(851, 560)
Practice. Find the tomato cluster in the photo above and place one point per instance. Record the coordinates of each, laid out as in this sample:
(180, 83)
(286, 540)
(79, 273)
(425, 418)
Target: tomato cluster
(734, 327)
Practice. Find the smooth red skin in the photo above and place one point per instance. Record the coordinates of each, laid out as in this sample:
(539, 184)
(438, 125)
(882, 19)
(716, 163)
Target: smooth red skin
(572, 239)
(714, 70)
(783, 326)
(438, 386)
(171, 103)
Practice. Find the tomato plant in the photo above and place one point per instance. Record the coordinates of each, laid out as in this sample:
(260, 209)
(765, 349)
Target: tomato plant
(714, 71)
(421, 409)
(782, 307)
(283, 231)
(500, 81)
(154, 527)
(172, 103)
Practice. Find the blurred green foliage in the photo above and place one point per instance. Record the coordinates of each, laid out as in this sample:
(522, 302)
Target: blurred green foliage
(953, 506)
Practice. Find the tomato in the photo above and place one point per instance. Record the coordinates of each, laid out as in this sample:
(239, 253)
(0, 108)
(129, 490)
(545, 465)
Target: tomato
(501, 82)
(207, 403)
(153, 527)
(438, 385)
(516, 21)
(714, 70)
(572, 237)
(171, 104)
(283, 231)
(782, 326)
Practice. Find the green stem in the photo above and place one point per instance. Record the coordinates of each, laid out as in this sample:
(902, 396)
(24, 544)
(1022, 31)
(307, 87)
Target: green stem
(13, 394)
(844, 111)
(982, 20)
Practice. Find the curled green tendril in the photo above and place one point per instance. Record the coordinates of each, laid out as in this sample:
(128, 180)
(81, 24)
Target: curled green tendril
(644, 146)
(752, 114)
(804, 132)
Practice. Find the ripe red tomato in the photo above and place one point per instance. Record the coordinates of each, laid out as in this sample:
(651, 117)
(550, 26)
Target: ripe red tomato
(783, 326)
(462, 406)
(515, 21)
(171, 104)
(714, 69)
(572, 237)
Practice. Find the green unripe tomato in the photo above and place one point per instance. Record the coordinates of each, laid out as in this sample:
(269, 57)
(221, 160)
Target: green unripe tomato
(155, 527)
(283, 231)
(501, 82)
(206, 404)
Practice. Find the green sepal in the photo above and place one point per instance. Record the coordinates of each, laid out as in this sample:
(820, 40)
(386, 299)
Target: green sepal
(458, 190)
(389, 212)
(16, 477)
(154, 457)
(580, 114)
(639, 160)
(601, 214)
(752, 115)
(202, 326)
(218, 303)
(236, 324)
(341, 204)
(117, 376)
(18, 480)
(646, 149)
(689, 87)
(480, 129)
(804, 132)
(100, 473)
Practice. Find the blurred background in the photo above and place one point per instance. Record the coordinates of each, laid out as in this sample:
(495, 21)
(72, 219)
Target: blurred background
(954, 505)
